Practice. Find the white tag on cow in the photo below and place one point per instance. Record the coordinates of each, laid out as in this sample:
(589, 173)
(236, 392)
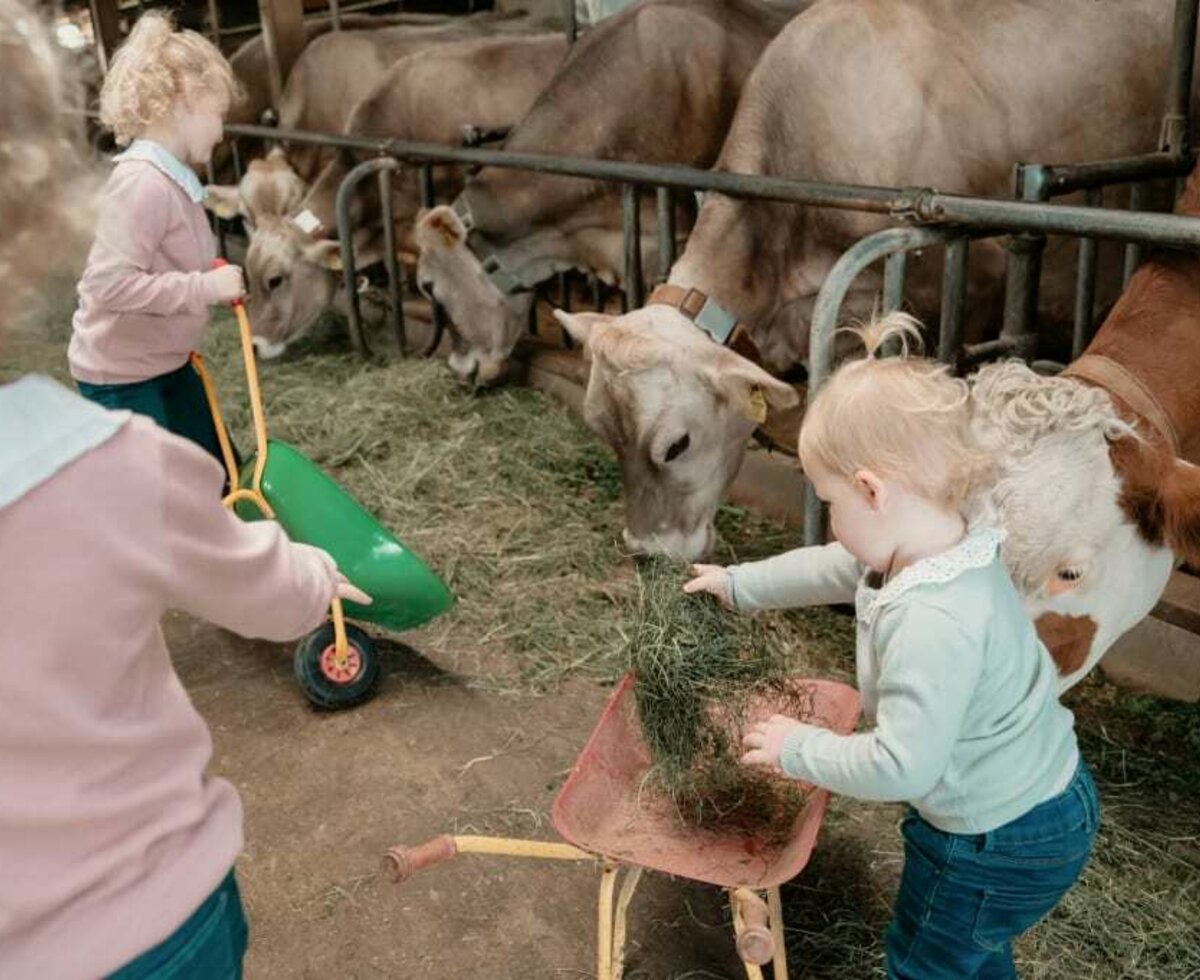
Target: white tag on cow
(307, 222)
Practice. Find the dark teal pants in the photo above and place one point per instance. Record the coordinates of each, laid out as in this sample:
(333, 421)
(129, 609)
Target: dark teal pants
(174, 400)
(208, 946)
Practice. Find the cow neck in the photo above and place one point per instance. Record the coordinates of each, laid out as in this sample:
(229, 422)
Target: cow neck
(501, 275)
(709, 316)
(1118, 380)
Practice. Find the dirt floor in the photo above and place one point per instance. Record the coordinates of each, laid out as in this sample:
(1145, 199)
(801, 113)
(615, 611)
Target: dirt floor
(479, 717)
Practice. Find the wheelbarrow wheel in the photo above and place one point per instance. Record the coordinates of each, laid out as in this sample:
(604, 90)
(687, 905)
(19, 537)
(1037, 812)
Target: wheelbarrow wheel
(329, 682)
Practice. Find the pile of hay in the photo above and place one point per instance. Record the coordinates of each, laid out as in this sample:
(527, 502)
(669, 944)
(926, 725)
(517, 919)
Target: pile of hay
(698, 668)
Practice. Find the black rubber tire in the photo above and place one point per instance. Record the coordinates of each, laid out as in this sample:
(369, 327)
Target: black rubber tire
(324, 692)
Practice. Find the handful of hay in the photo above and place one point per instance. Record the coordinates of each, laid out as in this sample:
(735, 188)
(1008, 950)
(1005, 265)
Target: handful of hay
(697, 671)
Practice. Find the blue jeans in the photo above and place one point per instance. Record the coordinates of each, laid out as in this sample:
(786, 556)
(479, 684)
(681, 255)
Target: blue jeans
(208, 946)
(964, 898)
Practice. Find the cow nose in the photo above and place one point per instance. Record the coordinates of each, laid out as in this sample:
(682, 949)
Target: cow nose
(681, 545)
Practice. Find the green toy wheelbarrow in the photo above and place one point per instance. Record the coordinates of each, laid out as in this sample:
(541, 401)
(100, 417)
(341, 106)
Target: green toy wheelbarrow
(337, 665)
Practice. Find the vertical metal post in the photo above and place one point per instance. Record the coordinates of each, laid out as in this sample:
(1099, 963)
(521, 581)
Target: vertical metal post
(394, 273)
(284, 37)
(665, 214)
(1024, 272)
(1085, 284)
(346, 246)
(335, 14)
(1138, 195)
(894, 267)
(564, 303)
(236, 153)
(571, 22)
(429, 200)
(597, 294)
(954, 299)
(214, 23)
(1176, 126)
(634, 290)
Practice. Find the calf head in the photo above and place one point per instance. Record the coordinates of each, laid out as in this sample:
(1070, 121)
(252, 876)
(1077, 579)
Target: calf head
(677, 409)
(1095, 514)
(487, 323)
(270, 188)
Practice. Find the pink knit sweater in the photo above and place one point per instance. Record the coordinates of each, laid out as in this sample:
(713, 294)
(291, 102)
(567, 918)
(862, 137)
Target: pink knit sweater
(143, 301)
(111, 834)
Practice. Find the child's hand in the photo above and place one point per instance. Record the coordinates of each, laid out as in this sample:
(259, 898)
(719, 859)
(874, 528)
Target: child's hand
(347, 591)
(225, 283)
(713, 579)
(764, 742)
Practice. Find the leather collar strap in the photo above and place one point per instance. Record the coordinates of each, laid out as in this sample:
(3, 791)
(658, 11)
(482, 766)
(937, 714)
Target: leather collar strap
(1116, 379)
(711, 317)
(508, 282)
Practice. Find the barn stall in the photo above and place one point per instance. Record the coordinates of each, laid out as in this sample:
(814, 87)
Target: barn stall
(526, 537)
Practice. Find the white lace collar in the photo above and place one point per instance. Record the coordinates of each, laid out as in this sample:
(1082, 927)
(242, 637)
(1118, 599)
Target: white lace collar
(977, 549)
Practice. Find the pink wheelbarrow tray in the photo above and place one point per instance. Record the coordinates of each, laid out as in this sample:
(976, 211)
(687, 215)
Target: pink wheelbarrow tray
(599, 812)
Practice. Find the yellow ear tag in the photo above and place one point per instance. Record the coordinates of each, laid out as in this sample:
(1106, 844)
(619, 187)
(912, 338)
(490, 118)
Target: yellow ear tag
(757, 404)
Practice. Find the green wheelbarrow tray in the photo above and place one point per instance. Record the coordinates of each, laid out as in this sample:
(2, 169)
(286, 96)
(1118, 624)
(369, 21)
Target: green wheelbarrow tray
(314, 510)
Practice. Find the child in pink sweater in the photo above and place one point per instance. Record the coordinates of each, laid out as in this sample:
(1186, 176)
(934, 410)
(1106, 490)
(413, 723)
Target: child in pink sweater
(116, 849)
(144, 297)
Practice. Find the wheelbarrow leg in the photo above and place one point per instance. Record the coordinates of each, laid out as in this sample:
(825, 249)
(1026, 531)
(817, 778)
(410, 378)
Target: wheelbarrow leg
(775, 907)
(755, 942)
(604, 925)
(628, 887)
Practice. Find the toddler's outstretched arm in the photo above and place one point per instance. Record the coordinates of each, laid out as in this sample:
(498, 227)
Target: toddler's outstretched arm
(803, 577)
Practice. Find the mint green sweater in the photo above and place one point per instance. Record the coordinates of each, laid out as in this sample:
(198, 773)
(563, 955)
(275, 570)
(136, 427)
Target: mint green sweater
(960, 694)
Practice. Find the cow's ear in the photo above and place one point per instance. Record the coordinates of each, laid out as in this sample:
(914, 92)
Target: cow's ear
(1181, 510)
(324, 253)
(223, 200)
(440, 227)
(749, 387)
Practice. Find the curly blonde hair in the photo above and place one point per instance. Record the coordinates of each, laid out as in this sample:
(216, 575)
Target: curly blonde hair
(47, 192)
(905, 418)
(156, 66)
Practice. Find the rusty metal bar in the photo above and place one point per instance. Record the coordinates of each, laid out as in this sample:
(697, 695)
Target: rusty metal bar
(1085, 285)
(635, 293)
(394, 273)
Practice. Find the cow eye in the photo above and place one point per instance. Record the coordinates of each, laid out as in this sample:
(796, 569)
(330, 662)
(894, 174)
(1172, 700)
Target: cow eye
(274, 283)
(678, 448)
(1069, 574)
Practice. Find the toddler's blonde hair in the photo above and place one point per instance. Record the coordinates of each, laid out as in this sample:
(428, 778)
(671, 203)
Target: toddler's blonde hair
(156, 66)
(905, 418)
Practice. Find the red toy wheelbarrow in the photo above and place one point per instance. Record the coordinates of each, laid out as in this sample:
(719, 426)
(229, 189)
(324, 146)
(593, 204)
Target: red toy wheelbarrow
(599, 810)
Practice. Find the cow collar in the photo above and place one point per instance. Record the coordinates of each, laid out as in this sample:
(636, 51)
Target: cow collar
(503, 278)
(711, 317)
(1117, 380)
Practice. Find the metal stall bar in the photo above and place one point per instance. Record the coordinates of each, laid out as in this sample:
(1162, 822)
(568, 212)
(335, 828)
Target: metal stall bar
(631, 204)
(1085, 285)
(1138, 195)
(665, 215)
(335, 14)
(438, 315)
(571, 21)
(894, 268)
(1176, 125)
(954, 299)
(825, 319)
(394, 273)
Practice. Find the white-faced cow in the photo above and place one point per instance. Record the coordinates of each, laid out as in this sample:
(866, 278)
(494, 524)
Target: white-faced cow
(294, 275)
(880, 92)
(657, 82)
(1097, 485)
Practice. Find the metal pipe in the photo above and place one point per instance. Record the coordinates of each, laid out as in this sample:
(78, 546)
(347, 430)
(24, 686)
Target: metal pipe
(1085, 285)
(1176, 125)
(1120, 170)
(236, 154)
(429, 200)
(1023, 273)
(954, 299)
(346, 243)
(571, 21)
(635, 293)
(1138, 195)
(894, 267)
(320, 18)
(665, 214)
(214, 22)
(335, 14)
(394, 273)
(825, 319)
(916, 205)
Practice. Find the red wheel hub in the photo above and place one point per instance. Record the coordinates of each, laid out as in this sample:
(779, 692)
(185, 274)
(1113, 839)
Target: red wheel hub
(343, 669)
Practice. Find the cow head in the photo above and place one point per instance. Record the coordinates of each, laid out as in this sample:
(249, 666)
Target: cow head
(1095, 515)
(486, 322)
(677, 409)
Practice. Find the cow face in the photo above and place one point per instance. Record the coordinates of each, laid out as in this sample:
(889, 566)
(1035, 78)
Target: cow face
(292, 279)
(677, 409)
(1094, 515)
(487, 324)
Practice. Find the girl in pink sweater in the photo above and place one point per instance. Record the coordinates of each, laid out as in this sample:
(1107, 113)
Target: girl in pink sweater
(116, 849)
(144, 297)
